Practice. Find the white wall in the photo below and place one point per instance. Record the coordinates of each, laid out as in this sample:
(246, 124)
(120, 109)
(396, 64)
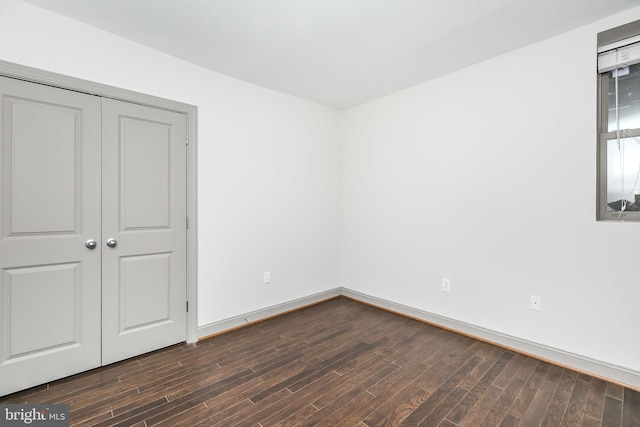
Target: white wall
(267, 167)
(487, 176)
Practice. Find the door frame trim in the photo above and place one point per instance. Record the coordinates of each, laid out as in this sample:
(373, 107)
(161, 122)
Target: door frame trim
(34, 75)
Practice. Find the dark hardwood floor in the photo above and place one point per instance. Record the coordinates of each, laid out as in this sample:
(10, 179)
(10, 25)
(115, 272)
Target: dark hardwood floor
(339, 363)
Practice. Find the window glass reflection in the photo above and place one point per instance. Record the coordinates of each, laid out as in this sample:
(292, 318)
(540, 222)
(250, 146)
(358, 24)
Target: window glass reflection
(623, 174)
(628, 99)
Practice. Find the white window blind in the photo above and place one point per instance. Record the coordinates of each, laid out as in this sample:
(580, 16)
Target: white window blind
(619, 57)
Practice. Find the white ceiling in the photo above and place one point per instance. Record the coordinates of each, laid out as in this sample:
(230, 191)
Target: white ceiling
(336, 52)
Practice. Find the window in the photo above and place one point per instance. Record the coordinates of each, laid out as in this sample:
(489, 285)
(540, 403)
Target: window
(619, 130)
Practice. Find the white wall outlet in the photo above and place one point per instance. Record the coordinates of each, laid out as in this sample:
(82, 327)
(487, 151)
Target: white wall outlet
(536, 303)
(446, 285)
(267, 277)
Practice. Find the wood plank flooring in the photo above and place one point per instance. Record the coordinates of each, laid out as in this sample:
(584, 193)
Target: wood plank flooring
(338, 363)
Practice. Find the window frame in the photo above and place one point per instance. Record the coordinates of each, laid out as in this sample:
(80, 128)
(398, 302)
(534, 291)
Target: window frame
(605, 135)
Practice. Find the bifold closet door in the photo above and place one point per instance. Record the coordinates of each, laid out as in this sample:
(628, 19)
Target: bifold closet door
(49, 221)
(143, 228)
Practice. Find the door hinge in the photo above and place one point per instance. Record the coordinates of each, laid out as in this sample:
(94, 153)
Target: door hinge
(187, 306)
(187, 223)
(187, 138)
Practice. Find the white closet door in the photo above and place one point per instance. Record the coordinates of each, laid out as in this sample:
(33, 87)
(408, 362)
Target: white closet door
(49, 208)
(144, 216)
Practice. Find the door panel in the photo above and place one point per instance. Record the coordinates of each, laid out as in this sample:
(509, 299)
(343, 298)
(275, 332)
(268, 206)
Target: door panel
(49, 206)
(141, 308)
(51, 291)
(146, 172)
(144, 210)
(32, 149)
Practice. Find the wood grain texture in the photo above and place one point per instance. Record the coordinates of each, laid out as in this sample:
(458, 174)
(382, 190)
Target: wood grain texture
(338, 363)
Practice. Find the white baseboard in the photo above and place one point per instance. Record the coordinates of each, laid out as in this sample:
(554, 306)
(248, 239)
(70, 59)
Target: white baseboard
(235, 322)
(597, 368)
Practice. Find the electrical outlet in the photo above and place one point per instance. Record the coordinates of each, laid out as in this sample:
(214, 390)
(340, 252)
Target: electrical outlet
(267, 277)
(536, 303)
(446, 285)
